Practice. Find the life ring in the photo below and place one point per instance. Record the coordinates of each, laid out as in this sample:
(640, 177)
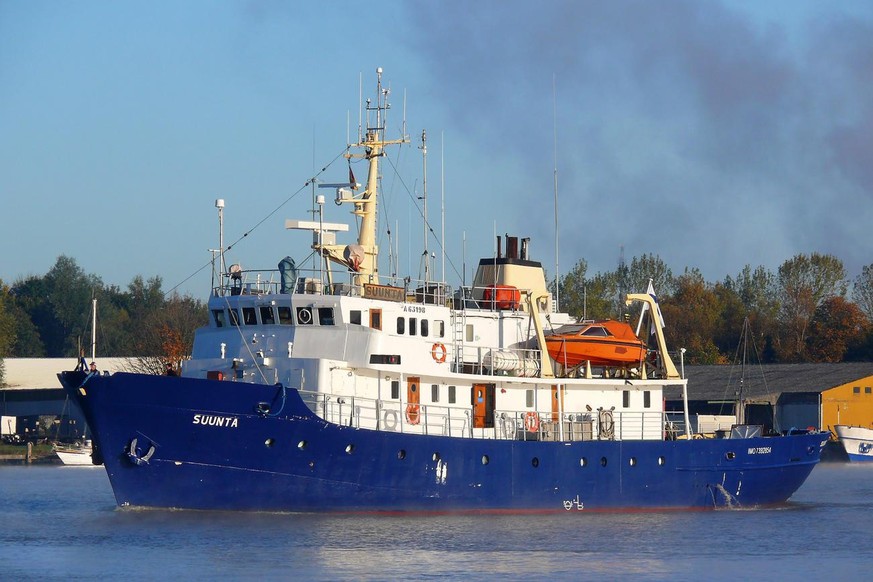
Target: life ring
(389, 414)
(413, 413)
(532, 421)
(439, 353)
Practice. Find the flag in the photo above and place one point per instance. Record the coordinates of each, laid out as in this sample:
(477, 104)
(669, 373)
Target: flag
(651, 292)
(352, 182)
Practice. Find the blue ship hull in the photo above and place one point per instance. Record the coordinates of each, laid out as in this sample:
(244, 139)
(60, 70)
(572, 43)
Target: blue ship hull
(856, 458)
(171, 442)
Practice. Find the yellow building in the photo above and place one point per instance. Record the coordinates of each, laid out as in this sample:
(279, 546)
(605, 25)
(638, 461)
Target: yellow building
(850, 403)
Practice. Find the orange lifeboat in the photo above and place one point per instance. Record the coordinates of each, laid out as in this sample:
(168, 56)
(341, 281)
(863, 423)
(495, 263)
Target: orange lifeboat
(603, 343)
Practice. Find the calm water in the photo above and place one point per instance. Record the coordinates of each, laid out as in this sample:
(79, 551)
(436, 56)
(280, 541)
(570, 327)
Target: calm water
(61, 523)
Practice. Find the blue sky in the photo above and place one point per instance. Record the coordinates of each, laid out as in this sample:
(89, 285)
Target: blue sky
(712, 134)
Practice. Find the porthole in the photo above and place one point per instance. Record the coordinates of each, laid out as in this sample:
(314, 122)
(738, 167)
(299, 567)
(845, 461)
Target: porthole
(301, 445)
(349, 449)
(485, 459)
(436, 457)
(583, 462)
(661, 461)
(602, 461)
(632, 462)
(535, 462)
(401, 454)
(269, 443)
(730, 455)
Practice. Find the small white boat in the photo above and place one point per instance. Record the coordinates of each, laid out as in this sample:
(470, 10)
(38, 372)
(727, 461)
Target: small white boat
(857, 440)
(76, 454)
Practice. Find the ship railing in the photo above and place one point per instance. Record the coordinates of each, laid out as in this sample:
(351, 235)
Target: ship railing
(390, 415)
(249, 282)
(584, 426)
(675, 426)
(442, 420)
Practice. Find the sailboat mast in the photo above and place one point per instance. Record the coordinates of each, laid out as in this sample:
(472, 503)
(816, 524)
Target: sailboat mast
(741, 405)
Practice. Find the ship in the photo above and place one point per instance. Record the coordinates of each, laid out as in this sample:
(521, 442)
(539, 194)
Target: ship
(857, 441)
(76, 454)
(338, 389)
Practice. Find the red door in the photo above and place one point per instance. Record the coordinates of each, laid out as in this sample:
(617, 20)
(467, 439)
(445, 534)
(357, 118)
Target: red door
(413, 399)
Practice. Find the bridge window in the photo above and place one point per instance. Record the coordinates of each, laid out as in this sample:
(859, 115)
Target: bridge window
(325, 316)
(425, 328)
(284, 315)
(413, 325)
(625, 398)
(218, 316)
(401, 325)
(234, 317)
(440, 328)
(267, 317)
(249, 316)
(355, 317)
(647, 399)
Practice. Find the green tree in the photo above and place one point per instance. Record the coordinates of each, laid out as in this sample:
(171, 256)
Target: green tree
(731, 314)
(7, 329)
(804, 283)
(650, 267)
(58, 305)
(862, 291)
(603, 297)
(573, 289)
(642, 270)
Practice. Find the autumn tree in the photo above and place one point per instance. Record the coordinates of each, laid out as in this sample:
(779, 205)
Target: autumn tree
(167, 334)
(837, 326)
(691, 316)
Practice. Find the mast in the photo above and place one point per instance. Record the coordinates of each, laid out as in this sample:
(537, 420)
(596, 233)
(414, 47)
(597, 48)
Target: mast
(364, 260)
(93, 329)
(219, 204)
(557, 272)
(425, 255)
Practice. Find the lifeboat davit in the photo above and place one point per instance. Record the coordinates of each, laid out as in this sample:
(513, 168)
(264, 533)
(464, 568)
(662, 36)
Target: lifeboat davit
(603, 343)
